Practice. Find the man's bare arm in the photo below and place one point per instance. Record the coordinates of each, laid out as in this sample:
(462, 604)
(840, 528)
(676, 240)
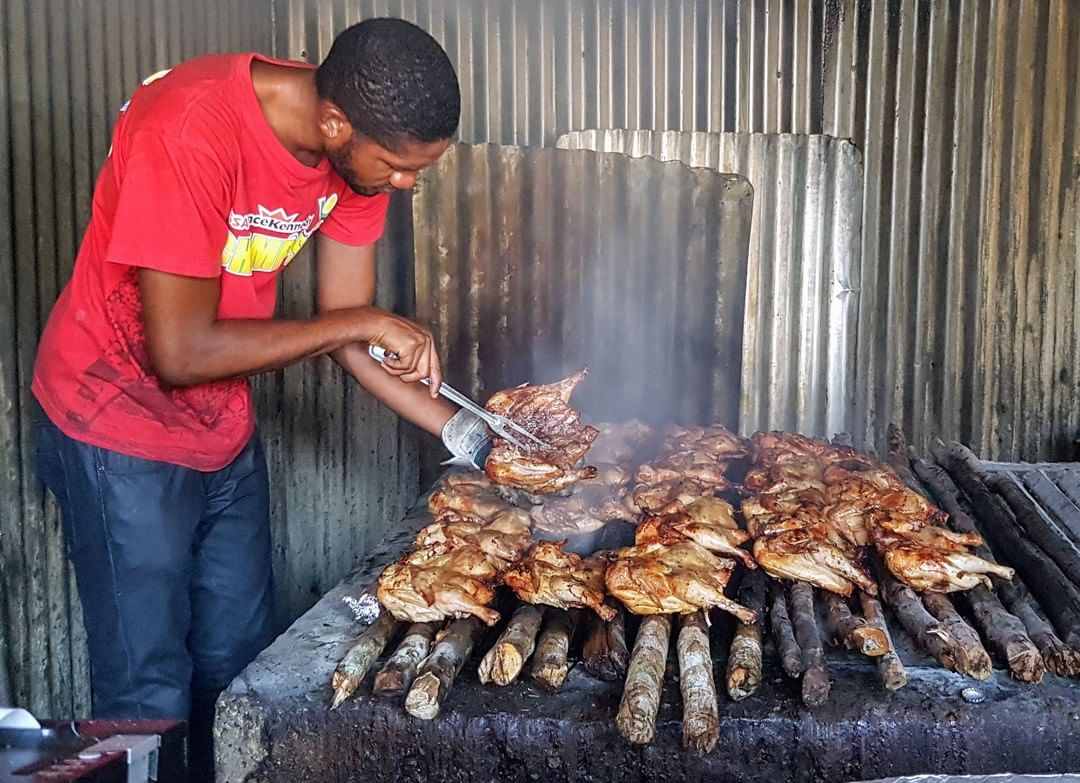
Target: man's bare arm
(346, 280)
(187, 343)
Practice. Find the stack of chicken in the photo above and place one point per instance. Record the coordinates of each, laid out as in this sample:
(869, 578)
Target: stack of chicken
(815, 507)
(544, 410)
(674, 567)
(457, 561)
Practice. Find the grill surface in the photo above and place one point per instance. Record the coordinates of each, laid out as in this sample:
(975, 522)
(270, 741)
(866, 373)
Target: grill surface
(274, 723)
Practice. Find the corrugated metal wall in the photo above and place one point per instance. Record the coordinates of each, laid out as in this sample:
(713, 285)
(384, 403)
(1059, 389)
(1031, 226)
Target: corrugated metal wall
(534, 263)
(959, 107)
(65, 69)
(970, 131)
(802, 291)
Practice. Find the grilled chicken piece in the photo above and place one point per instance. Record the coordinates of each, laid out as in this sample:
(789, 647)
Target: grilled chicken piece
(676, 579)
(502, 547)
(553, 577)
(805, 557)
(620, 444)
(431, 584)
(589, 508)
(925, 569)
(545, 412)
(670, 497)
(673, 528)
(470, 494)
(715, 440)
(772, 448)
(789, 477)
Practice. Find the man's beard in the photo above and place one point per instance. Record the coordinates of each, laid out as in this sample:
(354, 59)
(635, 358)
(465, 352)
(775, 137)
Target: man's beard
(340, 163)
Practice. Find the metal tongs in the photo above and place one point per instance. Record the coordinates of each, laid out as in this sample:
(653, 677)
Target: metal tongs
(500, 425)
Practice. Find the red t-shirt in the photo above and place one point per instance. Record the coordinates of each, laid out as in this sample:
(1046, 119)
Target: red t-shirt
(197, 184)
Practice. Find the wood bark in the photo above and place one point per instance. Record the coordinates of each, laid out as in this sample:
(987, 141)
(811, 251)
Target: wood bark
(920, 625)
(644, 680)
(744, 658)
(437, 672)
(890, 667)
(1058, 597)
(971, 657)
(361, 655)
(605, 654)
(400, 671)
(504, 661)
(701, 713)
(849, 630)
(815, 681)
(783, 633)
(551, 663)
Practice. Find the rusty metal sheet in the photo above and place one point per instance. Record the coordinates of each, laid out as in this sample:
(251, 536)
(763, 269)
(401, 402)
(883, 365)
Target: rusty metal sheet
(533, 263)
(971, 228)
(798, 356)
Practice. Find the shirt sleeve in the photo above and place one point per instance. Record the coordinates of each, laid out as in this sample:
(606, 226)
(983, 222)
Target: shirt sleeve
(172, 208)
(357, 220)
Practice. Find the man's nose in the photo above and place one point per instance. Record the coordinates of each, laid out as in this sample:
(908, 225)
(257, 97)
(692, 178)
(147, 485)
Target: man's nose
(403, 180)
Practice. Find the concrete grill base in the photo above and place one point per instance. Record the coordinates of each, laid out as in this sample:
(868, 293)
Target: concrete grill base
(274, 723)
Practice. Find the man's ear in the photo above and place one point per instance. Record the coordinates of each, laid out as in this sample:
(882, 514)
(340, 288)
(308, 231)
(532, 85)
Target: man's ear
(333, 123)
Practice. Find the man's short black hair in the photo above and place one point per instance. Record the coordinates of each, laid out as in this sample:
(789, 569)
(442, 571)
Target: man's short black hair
(393, 82)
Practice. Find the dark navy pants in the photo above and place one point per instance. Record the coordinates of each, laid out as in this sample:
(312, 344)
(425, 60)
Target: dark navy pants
(173, 569)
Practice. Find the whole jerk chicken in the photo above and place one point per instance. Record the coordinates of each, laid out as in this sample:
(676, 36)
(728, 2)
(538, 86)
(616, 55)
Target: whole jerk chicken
(553, 577)
(543, 410)
(432, 584)
(709, 521)
(672, 579)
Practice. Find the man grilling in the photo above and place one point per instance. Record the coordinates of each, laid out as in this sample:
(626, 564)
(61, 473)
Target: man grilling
(220, 169)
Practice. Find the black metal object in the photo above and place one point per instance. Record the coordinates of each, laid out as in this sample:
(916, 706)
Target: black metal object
(274, 723)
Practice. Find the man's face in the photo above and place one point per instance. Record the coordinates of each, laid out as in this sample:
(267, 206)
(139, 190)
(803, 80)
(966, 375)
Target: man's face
(369, 168)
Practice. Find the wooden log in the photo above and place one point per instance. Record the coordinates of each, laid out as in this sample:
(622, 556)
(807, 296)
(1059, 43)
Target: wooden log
(1058, 506)
(791, 657)
(920, 625)
(605, 654)
(361, 655)
(551, 663)
(1017, 507)
(744, 659)
(1005, 632)
(644, 680)
(504, 661)
(400, 670)
(437, 672)
(847, 630)
(815, 682)
(971, 657)
(701, 713)
(1060, 658)
(1057, 596)
(890, 667)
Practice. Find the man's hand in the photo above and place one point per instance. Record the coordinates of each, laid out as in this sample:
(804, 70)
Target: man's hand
(413, 347)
